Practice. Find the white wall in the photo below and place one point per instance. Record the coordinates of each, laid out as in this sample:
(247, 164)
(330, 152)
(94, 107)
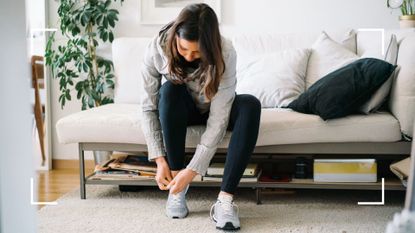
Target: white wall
(35, 11)
(249, 16)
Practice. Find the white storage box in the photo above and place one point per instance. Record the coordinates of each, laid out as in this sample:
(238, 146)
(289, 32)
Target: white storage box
(345, 170)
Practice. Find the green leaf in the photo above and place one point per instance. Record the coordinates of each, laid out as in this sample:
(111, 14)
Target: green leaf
(79, 94)
(94, 94)
(91, 102)
(85, 67)
(111, 22)
(62, 82)
(113, 11)
(88, 63)
(101, 88)
(68, 95)
(107, 3)
(79, 85)
(99, 19)
(111, 37)
(105, 22)
(83, 103)
(110, 76)
(109, 82)
(104, 36)
(75, 31)
(84, 20)
(107, 68)
(62, 100)
(107, 100)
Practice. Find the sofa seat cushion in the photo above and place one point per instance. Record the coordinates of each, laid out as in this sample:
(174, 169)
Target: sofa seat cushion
(120, 123)
(285, 126)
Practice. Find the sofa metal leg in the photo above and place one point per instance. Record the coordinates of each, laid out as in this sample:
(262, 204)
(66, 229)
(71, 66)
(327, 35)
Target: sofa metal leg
(258, 196)
(82, 170)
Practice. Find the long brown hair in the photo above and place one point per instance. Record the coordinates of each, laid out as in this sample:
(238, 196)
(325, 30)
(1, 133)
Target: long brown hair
(197, 22)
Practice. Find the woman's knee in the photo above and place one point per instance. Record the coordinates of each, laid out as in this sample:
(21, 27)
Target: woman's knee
(171, 100)
(249, 104)
(170, 91)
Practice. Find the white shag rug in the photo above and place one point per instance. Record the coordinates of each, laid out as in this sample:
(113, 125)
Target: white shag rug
(106, 209)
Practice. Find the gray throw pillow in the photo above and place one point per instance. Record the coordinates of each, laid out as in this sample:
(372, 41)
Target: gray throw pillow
(378, 98)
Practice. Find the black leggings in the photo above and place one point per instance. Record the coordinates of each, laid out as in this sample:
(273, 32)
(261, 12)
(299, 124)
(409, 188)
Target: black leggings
(177, 110)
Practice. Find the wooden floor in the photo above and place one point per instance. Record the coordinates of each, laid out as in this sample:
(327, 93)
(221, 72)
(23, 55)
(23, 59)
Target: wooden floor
(54, 183)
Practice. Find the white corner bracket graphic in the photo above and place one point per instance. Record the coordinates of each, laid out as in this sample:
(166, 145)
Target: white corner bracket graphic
(381, 30)
(33, 35)
(32, 202)
(376, 203)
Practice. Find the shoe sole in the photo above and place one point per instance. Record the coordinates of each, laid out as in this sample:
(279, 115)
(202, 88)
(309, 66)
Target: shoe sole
(178, 217)
(228, 227)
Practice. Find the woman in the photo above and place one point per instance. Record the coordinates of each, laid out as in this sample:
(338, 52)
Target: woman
(200, 71)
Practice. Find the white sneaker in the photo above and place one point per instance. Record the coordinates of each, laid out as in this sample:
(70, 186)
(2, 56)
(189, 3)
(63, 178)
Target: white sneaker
(225, 214)
(176, 206)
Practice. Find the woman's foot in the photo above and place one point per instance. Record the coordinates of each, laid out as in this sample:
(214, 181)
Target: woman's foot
(225, 213)
(176, 206)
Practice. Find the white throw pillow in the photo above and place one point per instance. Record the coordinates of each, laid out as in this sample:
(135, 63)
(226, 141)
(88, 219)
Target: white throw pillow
(350, 41)
(391, 55)
(380, 95)
(327, 55)
(275, 79)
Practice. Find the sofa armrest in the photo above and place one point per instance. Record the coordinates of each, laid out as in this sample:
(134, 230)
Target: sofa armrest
(402, 97)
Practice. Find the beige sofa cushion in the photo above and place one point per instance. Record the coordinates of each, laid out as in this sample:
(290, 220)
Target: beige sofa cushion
(120, 123)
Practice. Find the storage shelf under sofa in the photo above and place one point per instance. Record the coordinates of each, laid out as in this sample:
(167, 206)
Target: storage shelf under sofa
(375, 150)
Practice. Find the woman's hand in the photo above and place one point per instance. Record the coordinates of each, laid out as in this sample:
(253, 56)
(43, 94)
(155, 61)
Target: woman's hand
(181, 180)
(163, 175)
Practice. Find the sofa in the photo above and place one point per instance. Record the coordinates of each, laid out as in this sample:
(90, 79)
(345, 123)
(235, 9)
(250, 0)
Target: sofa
(283, 132)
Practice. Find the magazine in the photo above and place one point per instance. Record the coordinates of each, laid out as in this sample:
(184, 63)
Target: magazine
(129, 163)
(125, 167)
(119, 175)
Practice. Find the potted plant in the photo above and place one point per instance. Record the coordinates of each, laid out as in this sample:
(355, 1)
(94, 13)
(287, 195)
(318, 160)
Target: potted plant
(407, 19)
(84, 24)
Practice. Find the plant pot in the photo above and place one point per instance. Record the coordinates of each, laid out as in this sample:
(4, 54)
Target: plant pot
(101, 156)
(407, 21)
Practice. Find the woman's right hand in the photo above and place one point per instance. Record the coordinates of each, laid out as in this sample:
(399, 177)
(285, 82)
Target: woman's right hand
(163, 175)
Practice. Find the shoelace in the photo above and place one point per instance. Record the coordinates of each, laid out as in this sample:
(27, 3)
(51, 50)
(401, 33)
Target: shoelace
(228, 208)
(176, 199)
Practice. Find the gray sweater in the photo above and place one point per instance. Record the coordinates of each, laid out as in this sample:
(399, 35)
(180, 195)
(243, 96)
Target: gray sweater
(154, 74)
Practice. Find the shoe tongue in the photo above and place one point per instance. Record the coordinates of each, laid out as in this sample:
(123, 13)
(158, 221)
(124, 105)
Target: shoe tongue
(225, 198)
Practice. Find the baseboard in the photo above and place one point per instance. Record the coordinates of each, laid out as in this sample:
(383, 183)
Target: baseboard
(71, 164)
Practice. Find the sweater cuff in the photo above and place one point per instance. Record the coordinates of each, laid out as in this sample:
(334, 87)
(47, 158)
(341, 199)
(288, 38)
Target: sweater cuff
(201, 159)
(155, 147)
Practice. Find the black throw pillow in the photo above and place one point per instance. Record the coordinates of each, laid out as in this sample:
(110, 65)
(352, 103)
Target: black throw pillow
(343, 91)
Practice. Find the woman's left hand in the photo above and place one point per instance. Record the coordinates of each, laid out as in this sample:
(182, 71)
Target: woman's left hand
(181, 180)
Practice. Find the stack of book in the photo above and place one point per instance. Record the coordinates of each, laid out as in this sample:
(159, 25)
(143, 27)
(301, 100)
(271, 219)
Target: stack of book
(216, 170)
(126, 167)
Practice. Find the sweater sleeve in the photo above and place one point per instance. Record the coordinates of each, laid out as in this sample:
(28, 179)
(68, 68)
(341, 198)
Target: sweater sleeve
(150, 125)
(217, 122)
